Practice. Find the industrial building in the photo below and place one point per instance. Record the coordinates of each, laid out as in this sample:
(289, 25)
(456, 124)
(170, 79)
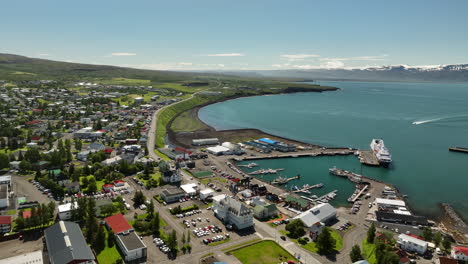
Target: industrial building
(172, 194)
(65, 244)
(205, 141)
(4, 196)
(412, 244)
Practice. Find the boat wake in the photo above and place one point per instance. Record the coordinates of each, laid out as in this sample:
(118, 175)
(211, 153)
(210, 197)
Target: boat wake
(446, 119)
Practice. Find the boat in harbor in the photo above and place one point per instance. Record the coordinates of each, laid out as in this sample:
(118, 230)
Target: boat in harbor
(250, 165)
(283, 180)
(267, 171)
(381, 152)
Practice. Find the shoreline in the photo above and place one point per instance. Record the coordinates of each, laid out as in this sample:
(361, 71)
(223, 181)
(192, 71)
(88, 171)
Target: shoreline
(225, 135)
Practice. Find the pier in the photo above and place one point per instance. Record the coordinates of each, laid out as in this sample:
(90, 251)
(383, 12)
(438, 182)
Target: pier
(267, 171)
(325, 196)
(368, 157)
(458, 149)
(281, 180)
(354, 177)
(322, 152)
(354, 197)
(308, 188)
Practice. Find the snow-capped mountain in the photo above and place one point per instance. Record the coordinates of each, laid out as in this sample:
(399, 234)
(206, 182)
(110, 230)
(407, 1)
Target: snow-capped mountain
(430, 73)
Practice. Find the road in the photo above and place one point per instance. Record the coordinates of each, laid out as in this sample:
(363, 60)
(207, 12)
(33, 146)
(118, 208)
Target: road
(264, 231)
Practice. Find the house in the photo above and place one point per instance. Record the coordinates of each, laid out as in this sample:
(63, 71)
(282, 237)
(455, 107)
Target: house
(317, 217)
(128, 241)
(232, 212)
(73, 187)
(108, 187)
(446, 260)
(119, 183)
(14, 165)
(297, 202)
(412, 244)
(35, 257)
(5, 224)
(112, 161)
(83, 155)
(5, 179)
(170, 175)
(171, 194)
(460, 253)
(138, 100)
(265, 211)
(96, 146)
(65, 210)
(65, 244)
(190, 189)
(4, 196)
(206, 193)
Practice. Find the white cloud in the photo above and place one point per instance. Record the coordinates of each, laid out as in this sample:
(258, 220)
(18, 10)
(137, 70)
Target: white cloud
(298, 57)
(43, 55)
(226, 55)
(359, 58)
(123, 54)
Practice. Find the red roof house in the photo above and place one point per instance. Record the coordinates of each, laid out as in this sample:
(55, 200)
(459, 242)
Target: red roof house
(26, 214)
(460, 253)
(5, 220)
(108, 187)
(119, 183)
(118, 223)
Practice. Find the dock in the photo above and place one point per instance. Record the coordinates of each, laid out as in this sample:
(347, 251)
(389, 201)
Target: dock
(319, 198)
(267, 171)
(354, 177)
(325, 152)
(355, 197)
(458, 149)
(368, 157)
(309, 187)
(281, 180)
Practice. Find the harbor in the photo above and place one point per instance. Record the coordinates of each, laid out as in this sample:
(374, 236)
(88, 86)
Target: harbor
(306, 188)
(313, 153)
(283, 180)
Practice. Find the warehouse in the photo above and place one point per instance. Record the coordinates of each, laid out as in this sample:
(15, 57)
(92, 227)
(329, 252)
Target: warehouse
(205, 141)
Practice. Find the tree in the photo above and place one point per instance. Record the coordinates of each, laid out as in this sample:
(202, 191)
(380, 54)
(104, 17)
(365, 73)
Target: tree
(92, 187)
(91, 221)
(4, 161)
(371, 233)
(355, 254)
(155, 224)
(325, 242)
(150, 209)
(25, 165)
(183, 238)
(99, 241)
(110, 239)
(139, 198)
(295, 228)
(172, 241)
(32, 155)
(188, 237)
(427, 234)
(437, 239)
(447, 243)
(389, 258)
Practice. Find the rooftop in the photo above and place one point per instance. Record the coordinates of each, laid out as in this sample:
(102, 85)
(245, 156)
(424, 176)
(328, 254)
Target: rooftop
(403, 237)
(118, 223)
(131, 241)
(316, 214)
(5, 220)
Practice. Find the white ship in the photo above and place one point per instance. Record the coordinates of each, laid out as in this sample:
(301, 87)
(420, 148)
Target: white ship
(381, 152)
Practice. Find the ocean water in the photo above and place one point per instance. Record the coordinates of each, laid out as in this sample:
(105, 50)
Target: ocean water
(418, 122)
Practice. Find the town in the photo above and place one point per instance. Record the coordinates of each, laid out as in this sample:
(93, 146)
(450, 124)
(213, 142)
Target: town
(82, 182)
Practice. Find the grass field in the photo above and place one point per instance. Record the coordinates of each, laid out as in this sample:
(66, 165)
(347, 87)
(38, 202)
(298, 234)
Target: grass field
(312, 246)
(125, 81)
(368, 252)
(108, 254)
(186, 122)
(264, 252)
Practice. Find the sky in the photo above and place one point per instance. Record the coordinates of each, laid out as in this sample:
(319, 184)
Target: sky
(238, 34)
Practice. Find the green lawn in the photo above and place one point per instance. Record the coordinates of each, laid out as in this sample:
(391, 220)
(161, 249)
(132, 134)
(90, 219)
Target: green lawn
(99, 184)
(368, 252)
(312, 246)
(186, 122)
(125, 81)
(202, 174)
(108, 255)
(264, 252)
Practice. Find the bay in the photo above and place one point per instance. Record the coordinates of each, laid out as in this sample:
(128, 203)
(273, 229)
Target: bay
(418, 122)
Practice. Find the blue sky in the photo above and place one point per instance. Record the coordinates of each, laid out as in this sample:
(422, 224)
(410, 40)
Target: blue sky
(238, 34)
